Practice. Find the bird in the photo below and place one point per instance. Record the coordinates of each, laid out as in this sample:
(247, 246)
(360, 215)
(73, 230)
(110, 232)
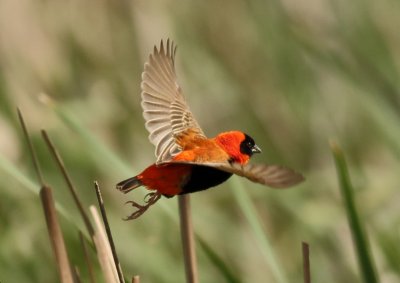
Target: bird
(186, 160)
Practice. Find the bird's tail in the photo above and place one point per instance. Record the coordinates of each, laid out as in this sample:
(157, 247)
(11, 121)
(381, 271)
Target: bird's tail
(128, 185)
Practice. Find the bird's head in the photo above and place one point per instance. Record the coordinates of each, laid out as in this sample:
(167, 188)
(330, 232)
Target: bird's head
(239, 146)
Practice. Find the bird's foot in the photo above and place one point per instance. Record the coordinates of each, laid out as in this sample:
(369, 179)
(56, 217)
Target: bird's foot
(149, 199)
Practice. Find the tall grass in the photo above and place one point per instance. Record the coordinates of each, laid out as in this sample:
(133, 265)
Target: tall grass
(364, 257)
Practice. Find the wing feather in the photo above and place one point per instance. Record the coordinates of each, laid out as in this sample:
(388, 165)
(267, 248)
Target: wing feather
(164, 106)
(274, 176)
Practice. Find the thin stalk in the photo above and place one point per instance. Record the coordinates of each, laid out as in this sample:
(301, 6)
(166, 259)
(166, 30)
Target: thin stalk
(87, 259)
(53, 227)
(306, 262)
(187, 236)
(68, 180)
(31, 149)
(56, 237)
(103, 249)
(77, 275)
(108, 231)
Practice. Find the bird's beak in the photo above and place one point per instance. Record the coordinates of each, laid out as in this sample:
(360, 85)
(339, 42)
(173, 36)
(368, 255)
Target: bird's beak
(255, 149)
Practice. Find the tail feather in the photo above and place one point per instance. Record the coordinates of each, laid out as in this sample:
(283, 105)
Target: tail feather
(128, 185)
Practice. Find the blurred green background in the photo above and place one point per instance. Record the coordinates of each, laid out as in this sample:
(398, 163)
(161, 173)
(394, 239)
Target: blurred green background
(292, 74)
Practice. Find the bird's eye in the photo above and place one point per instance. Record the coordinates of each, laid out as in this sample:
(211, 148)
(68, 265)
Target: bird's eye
(246, 146)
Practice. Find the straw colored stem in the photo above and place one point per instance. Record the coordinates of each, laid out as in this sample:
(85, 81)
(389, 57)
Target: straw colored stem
(103, 249)
(187, 236)
(53, 227)
(136, 279)
(108, 231)
(56, 236)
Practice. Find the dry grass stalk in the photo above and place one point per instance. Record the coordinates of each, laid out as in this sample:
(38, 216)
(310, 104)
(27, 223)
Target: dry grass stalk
(68, 180)
(108, 230)
(31, 150)
(187, 236)
(306, 262)
(53, 227)
(87, 259)
(56, 237)
(104, 253)
(77, 275)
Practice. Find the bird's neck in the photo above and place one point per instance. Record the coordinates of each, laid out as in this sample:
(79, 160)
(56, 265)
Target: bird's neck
(230, 143)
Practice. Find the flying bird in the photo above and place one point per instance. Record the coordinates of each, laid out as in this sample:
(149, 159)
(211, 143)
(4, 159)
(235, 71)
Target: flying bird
(188, 161)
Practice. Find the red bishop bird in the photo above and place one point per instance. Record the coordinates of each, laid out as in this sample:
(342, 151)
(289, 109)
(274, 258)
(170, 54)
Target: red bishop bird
(188, 161)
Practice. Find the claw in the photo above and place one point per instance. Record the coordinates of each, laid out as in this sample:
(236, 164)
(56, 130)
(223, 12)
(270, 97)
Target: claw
(152, 197)
(134, 204)
(149, 199)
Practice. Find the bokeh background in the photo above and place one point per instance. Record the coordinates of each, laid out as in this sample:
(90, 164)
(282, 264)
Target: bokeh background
(292, 74)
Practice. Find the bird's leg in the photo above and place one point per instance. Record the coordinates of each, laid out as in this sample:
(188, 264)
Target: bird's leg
(149, 199)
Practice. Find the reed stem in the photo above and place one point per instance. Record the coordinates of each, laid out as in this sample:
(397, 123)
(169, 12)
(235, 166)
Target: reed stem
(187, 236)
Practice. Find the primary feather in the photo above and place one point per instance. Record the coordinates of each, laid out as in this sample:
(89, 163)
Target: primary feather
(164, 107)
(274, 176)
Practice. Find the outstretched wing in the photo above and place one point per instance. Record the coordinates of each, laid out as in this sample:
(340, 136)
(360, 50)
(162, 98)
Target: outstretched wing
(164, 106)
(274, 176)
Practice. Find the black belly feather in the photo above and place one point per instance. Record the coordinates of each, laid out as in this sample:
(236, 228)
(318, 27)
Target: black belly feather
(203, 178)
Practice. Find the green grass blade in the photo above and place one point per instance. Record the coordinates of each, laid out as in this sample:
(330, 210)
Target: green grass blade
(359, 237)
(218, 262)
(16, 173)
(252, 217)
(98, 148)
(30, 185)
